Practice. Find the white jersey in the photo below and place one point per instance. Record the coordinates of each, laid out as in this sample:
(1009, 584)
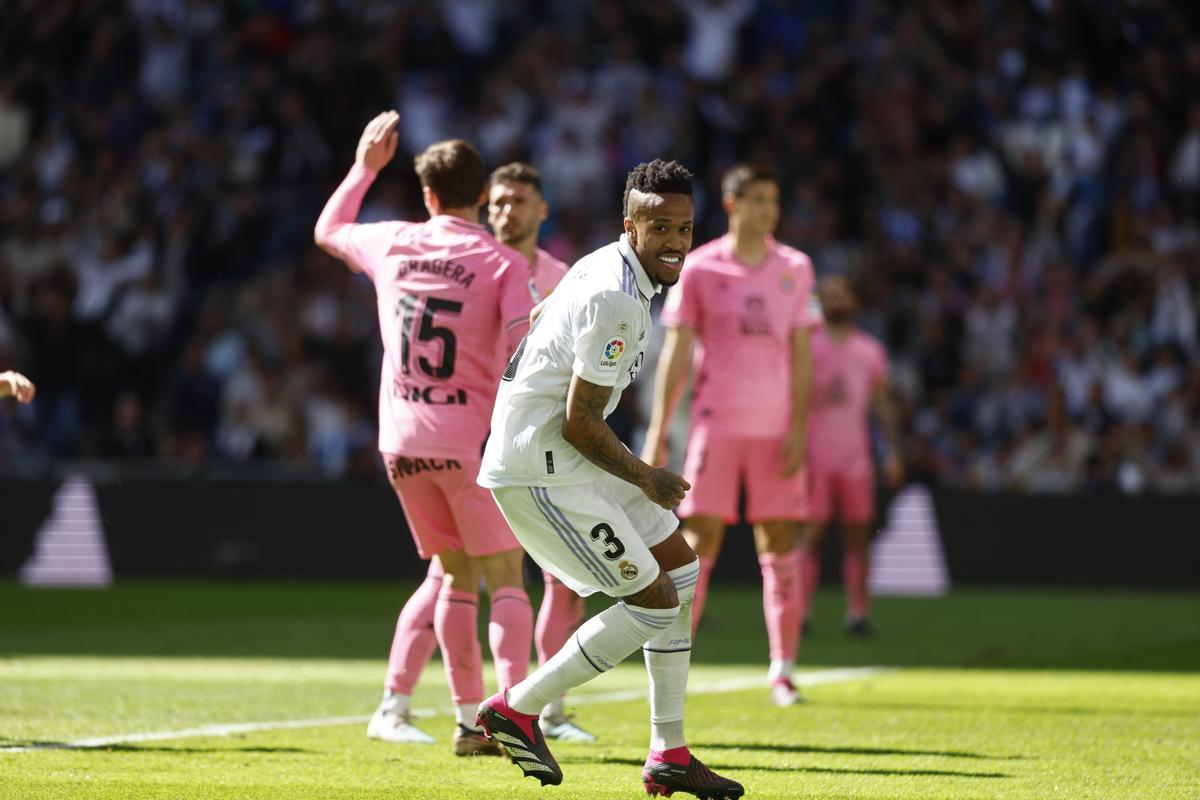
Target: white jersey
(596, 325)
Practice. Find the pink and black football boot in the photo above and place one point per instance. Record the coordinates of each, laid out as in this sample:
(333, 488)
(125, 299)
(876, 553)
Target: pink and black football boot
(677, 770)
(520, 736)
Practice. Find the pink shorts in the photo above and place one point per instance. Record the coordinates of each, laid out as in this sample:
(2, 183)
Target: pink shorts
(716, 467)
(446, 509)
(852, 495)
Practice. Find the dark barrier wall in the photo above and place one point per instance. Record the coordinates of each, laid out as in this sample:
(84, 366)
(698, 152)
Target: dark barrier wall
(212, 528)
(1094, 539)
(332, 530)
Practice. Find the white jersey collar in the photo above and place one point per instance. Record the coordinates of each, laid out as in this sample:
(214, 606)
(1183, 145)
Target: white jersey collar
(645, 285)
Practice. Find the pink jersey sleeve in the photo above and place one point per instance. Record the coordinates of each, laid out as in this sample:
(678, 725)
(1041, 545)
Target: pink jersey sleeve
(808, 307)
(515, 301)
(550, 272)
(360, 246)
(879, 363)
(682, 307)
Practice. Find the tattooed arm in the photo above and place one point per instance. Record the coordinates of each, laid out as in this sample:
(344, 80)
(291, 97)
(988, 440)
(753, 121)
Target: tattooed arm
(584, 429)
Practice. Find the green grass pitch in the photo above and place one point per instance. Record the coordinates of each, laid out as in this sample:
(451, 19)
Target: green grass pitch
(987, 694)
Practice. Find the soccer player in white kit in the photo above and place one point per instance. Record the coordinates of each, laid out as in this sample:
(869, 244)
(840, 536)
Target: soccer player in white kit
(583, 506)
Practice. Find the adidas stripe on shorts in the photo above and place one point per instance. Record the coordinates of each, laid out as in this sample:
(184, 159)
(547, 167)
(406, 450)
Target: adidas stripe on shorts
(594, 537)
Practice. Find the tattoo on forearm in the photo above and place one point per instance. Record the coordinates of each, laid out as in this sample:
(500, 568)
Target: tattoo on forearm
(599, 444)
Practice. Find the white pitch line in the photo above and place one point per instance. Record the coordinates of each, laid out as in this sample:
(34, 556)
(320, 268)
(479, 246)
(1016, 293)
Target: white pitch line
(817, 678)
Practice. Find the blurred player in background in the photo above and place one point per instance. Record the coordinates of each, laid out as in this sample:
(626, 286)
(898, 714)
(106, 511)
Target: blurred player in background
(14, 384)
(849, 380)
(447, 291)
(746, 301)
(587, 509)
(516, 210)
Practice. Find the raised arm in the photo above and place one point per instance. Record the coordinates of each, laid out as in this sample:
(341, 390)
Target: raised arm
(792, 455)
(376, 147)
(585, 429)
(14, 384)
(669, 382)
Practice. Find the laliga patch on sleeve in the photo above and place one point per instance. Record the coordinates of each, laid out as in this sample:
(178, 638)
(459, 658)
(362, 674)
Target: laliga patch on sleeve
(614, 348)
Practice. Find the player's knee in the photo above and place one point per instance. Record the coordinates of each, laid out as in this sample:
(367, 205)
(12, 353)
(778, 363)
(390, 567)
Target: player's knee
(705, 535)
(504, 570)
(649, 622)
(462, 571)
(813, 533)
(776, 537)
(660, 594)
(685, 579)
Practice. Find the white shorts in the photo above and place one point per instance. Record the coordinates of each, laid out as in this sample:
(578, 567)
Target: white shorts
(594, 537)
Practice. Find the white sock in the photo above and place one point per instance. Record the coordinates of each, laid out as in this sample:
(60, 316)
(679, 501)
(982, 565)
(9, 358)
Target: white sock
(781, 668)
(398, 702)
(556, 709)
(668, 658)
(600, 644)
(464, 714)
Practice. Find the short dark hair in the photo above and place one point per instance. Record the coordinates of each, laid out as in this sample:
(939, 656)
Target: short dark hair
(454, 171)
(742, 175)
(519, 172)
(657, 177)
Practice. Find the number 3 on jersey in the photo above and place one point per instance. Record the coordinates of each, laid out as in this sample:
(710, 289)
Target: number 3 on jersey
(428, 332)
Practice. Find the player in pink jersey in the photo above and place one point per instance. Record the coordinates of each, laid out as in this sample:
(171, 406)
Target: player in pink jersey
(849, 380)
(447, 291)
(745, 301)
(516, 210)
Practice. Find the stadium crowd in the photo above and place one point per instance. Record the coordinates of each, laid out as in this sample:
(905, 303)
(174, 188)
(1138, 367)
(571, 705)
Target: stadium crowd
(1012, 185)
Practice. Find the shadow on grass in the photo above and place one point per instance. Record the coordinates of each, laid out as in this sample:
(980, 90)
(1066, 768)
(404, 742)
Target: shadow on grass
(725, 765)
(134, 748)
(853, 751)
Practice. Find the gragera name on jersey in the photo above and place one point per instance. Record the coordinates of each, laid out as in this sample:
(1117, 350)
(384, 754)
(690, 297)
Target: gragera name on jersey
(437, 266)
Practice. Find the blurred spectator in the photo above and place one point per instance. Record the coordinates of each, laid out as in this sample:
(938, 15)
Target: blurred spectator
(1016, 189)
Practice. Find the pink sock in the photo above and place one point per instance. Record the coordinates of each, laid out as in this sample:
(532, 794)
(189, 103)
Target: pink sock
(810, 576)
(510, 630)
(676, 755)
(559, 616)
(701, 596)
(455, 620)
(854, 575)
(781, 603)
(413, 644)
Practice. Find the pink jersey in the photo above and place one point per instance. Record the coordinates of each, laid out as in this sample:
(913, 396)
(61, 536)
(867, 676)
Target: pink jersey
(547, 272)
(447, 292)
(743, 318)
(845, 376)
